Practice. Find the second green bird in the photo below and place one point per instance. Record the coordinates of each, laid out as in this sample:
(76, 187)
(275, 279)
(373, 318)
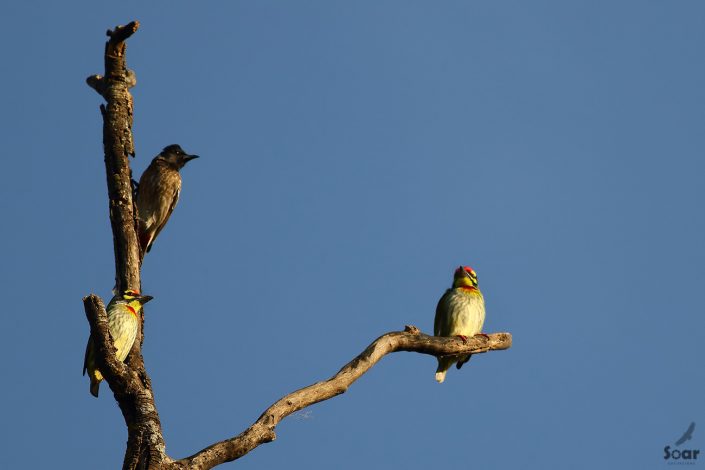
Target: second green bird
(460, 312)
(123, 322)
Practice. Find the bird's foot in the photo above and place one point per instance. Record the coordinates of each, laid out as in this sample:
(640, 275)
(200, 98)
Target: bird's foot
(463, 337)
(484, 334)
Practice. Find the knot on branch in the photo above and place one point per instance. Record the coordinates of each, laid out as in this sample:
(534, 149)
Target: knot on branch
(98, 82)
(411, 329)
(269, 437)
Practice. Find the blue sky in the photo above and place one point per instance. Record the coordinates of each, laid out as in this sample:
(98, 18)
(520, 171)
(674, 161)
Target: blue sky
(353, 154)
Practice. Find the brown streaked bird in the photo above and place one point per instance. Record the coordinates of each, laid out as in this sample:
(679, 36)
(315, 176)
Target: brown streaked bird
(158, 192)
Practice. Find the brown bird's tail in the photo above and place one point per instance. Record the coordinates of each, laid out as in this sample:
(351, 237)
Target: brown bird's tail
(145, 240)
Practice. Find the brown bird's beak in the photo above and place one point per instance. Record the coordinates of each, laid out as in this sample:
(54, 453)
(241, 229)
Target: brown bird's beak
(188, 158)
(145, 298)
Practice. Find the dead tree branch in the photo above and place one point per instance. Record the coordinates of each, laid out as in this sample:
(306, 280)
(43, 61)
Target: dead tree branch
(117, 146)
(262, 430)
(130, 385)
(130, 382)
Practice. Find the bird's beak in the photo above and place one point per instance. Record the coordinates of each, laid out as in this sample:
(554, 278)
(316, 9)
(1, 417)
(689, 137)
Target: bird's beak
(145, 298)
(190, 157)
(462, 270)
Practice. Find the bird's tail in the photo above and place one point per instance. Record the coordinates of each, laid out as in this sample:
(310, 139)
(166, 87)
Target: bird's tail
(95, 386)
(444, 364)
(462, 360)
(145, 244)
(96, 377)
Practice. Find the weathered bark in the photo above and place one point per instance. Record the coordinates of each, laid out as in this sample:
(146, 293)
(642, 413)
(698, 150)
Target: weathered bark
(262, 430)
(130, 382)
(118, 146)
(130, 385)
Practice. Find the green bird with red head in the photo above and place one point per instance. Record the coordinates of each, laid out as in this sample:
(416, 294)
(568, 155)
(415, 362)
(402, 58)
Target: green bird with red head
(460, 312)
(123, 323)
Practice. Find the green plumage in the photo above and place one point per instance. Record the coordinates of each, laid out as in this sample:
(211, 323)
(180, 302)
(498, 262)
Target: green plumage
(460, 312)
(123, 322)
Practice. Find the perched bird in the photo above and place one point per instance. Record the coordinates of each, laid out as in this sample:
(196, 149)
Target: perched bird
(460, 312)
(158, 192)
(123, 321)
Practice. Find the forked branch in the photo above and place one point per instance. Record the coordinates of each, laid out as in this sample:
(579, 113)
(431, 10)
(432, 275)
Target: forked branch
(130, 382)
(130, 385)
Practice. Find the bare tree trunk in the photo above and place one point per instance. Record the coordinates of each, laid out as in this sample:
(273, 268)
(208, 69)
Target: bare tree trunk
(145, 443)
(130, 382)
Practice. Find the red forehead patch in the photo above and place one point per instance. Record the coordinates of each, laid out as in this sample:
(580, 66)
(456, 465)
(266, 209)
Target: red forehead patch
(467, 269)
